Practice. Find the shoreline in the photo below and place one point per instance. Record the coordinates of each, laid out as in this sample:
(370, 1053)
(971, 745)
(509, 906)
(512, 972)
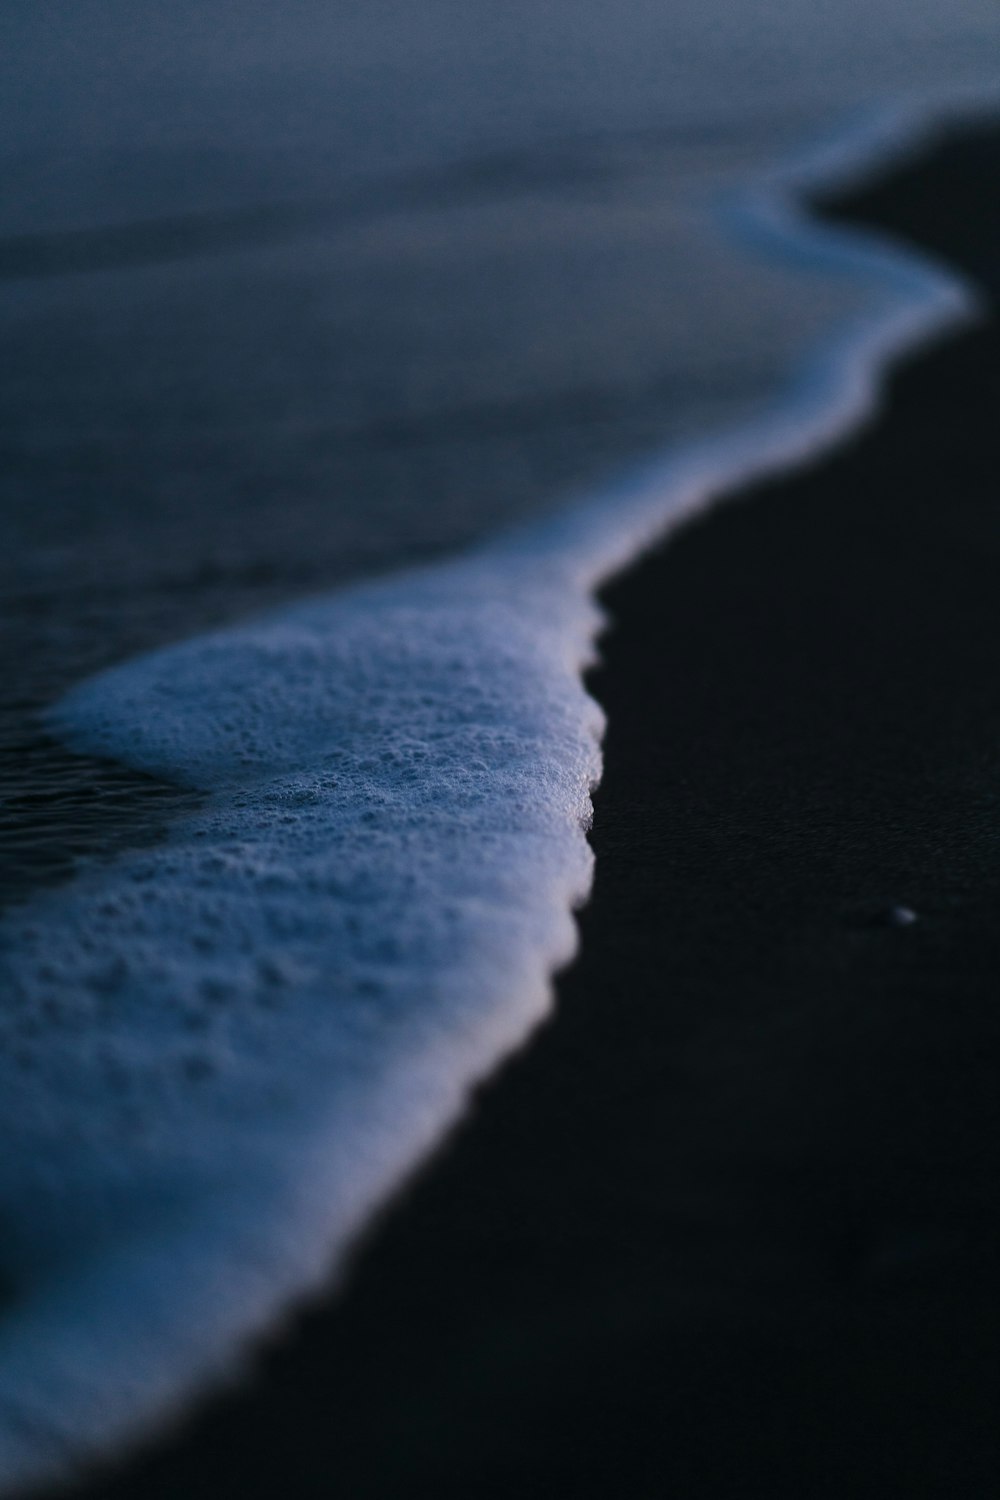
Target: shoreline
(460, 1274)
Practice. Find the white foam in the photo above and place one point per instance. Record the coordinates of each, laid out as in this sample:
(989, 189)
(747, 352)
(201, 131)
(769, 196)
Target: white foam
(222, 1053)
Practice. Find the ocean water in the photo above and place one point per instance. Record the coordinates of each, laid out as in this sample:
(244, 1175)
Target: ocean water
(346, 355)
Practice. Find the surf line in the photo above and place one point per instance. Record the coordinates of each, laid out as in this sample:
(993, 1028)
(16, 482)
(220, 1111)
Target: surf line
(253, 1033)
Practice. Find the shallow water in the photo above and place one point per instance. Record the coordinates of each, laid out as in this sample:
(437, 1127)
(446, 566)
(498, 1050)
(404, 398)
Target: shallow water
(314, 296)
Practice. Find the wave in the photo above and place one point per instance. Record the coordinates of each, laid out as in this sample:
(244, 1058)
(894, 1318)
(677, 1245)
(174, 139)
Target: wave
(221, 1054)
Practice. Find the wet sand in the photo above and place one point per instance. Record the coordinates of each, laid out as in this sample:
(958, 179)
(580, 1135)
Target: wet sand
(728, 1227)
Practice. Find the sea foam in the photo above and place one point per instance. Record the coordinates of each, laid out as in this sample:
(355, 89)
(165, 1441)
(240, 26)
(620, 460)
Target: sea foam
(220, 1054)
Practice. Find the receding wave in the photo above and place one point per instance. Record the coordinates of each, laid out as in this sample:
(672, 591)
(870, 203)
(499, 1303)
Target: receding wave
(488, 177)
(495, 176)
(150, 242)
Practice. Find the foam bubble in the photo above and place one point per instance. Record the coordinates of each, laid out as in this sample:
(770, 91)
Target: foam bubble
(228, 1048)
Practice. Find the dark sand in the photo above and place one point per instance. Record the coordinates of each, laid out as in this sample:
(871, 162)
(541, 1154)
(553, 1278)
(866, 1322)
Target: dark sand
(729, 1226)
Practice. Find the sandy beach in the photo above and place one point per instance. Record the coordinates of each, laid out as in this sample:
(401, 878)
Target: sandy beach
(728, 1226)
